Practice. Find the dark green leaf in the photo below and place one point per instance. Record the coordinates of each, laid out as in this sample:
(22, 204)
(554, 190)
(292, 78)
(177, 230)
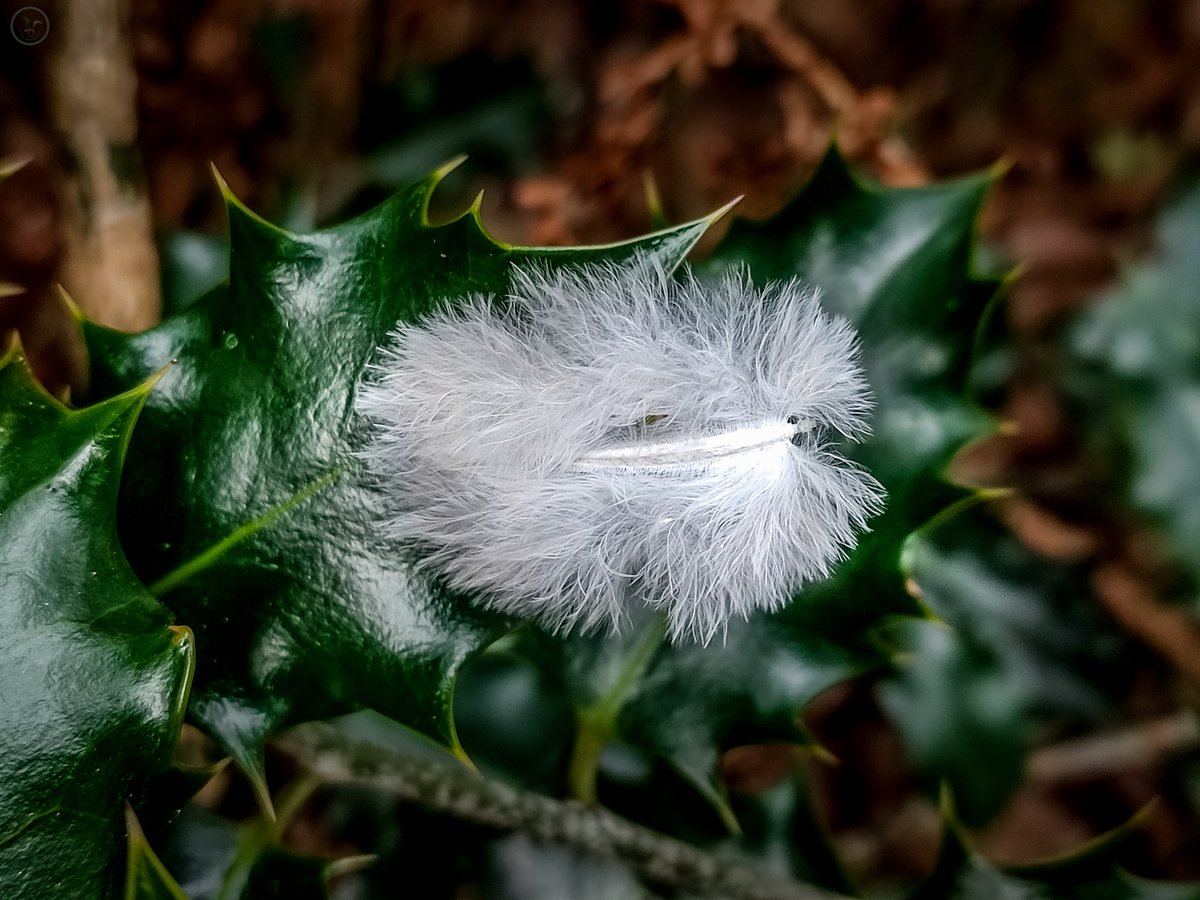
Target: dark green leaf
(498, 689)
(1021, 640)
(94, 675)
(694, 702)
(780, 827)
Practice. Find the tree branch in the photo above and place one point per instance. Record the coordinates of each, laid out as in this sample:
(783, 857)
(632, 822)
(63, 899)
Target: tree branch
(458, 792)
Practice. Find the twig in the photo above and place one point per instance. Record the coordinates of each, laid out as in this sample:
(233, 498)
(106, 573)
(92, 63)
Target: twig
(110, 266)
(1096, 756)
(461, 793)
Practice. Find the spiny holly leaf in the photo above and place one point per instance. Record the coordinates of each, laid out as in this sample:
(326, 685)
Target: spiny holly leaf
(94, 676)
(249, 516)
(1020, 641)
(1132, 377)
(960, 715)
(1092, 874)
(896, 263)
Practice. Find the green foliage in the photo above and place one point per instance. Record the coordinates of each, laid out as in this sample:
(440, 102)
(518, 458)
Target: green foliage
(94, 675)
(215, 859)
(895, 263)
(1020, 641)
(244, 510)
(1131, 371)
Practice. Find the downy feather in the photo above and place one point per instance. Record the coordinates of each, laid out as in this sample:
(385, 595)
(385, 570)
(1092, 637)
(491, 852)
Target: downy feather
(611, 436)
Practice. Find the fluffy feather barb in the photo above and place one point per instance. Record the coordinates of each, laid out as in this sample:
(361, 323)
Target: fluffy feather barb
(612, 436)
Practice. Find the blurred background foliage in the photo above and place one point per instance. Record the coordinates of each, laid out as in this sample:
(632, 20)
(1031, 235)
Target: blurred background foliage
(1057, 702)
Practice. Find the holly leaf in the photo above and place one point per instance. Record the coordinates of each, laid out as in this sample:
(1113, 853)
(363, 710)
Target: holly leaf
(94, 675)
(686, 704)
(1020, 642)
(250, 517)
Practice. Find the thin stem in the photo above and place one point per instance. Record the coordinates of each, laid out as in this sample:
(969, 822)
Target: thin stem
(455, 791)
(597, 724)
(592, 734)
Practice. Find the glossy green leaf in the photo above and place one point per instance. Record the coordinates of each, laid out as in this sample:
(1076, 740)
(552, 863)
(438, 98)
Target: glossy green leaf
(93, 674)
(500, 688)
(1133, 376)
(689, 702)
(959, 714)
(897, 264)
(249, 516)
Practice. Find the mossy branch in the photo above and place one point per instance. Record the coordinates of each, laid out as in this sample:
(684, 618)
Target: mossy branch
(458, 792)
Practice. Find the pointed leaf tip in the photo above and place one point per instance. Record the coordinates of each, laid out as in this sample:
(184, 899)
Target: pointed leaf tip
(447, 167)
(73, 309)
(719, 213)
(222, 184)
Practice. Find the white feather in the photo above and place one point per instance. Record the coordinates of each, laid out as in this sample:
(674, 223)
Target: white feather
(609, 436)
